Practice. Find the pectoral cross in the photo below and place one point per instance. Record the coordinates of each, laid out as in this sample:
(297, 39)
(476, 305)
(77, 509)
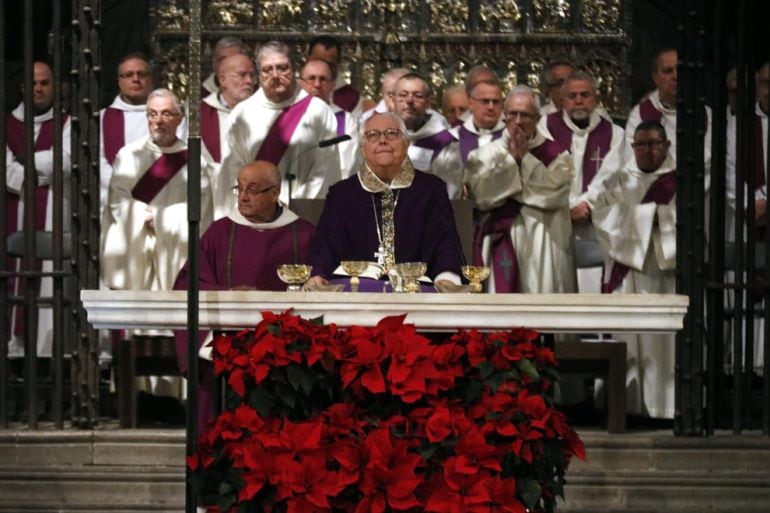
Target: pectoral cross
(597, 157)
(380, 255)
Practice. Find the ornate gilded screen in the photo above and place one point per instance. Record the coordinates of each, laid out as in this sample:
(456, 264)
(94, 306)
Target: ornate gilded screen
(441, 39)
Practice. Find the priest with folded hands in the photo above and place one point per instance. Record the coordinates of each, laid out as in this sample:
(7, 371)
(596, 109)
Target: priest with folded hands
(387, 213)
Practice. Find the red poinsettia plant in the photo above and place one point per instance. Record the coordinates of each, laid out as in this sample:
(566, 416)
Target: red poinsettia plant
(321, 419)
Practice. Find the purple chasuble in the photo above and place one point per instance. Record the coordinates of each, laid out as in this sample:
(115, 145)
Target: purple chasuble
(346, 98)
(502, 253)
(340, 122)
(277, 140)
(209, 117)
(597, 145)
(113, 133)
(470, 141)
(158, 175)
(424, 226)
(661, 192)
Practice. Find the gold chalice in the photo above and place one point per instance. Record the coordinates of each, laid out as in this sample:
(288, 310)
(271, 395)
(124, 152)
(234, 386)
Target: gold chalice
(294, 275)
(475, 274)
(410, 272)
(354, 268)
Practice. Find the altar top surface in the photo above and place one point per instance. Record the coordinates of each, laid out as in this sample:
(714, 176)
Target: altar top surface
(578, 313)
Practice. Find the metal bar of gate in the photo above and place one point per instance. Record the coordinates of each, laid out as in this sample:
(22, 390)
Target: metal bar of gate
(194, 217)
(4, 305)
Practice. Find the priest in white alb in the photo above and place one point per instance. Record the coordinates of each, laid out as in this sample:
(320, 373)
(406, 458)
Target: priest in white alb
(521, 182)
(281, 124)
(635, 222)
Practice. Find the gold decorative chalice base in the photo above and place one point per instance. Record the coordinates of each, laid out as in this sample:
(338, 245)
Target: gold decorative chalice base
(294, 275)
(475, 275)
(354, 268)
(410, 272)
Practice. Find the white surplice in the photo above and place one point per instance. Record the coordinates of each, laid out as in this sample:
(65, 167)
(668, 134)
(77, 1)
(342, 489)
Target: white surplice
(642, 236)
(542, 232)
(249, 123)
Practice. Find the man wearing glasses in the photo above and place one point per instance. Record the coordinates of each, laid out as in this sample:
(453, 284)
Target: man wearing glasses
(125, 120)
(551, 80)
(521, 182)
(144, 227)
(282, 124)
(635, 222)
(387, 213)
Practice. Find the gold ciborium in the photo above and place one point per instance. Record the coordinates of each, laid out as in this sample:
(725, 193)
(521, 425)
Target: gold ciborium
(475, 275)
(410, 272)
(294, 275)
(354, 268)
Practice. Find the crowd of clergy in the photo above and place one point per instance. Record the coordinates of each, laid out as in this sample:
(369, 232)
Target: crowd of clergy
(547, 171)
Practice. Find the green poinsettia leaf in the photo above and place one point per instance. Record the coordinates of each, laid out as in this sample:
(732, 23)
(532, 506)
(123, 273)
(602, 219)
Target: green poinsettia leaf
(485, 369)
(274, 329)
(318, 321)
(427, 451)
(473, 392)
(529, 489)
(262, 401)
(298, 346)
(527, 368)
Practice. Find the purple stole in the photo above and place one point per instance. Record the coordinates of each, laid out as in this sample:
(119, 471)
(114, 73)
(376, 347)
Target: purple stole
(113, 133)
(661, 192)
(435, 142)
(340, 115)
(346, 98)
(277, 139)
(158, 175)
(502, 253)
(470, 141)
(547, 152)
(209, 118)
(599, 140)
(15, 140)
(648, 112)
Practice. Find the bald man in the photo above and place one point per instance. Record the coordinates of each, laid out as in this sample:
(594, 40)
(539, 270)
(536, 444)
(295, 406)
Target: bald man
(243, 250)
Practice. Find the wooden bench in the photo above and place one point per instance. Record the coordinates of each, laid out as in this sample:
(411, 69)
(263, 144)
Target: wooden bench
(599, 360)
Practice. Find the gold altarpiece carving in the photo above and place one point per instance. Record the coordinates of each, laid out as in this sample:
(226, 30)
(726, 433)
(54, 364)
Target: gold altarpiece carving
(441, 39)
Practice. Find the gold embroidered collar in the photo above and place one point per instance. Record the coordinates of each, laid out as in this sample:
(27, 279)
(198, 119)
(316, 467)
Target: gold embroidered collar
(372, 183)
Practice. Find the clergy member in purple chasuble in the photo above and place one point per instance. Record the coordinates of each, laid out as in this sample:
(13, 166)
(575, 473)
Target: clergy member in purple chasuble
(387, 212)
(282, 124)
(317, 79)
(635, 222)
(243, 251)
(596, 145)
(431, 147)
(522, 181)
(42, 100)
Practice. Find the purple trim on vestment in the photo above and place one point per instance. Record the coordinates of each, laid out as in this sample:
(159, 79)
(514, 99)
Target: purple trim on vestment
(470, 141)
(435, 142)
(346, 97)
(158, 175)
(209, 117)
(547, 152)
(340, 115)
(278, 137)
(599, 139)
(502, 252)
(661, 192)
(648, 112)
(113, 133)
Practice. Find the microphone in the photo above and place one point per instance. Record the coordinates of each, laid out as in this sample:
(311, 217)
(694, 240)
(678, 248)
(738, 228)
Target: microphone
(334, 140)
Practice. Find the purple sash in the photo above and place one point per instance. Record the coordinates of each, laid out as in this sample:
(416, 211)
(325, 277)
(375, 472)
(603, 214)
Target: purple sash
(340, 122)
(158, 175)
(648, 112)
(346, 98)
(435, 142)
(470, 141)
(661, 192)
(547, 152)
(209, 117)
(502, 253)
(113, 133)
(598, 143)
(277, 140)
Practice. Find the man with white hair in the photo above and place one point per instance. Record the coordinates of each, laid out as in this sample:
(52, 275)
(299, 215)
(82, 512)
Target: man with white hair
(284, 125)
(225, 47)
(522, 181)
(144, 230)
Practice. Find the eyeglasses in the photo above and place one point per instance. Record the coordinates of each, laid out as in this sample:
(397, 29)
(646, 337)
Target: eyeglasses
(250, 192)
(164, 115)
(390, 134)
(524, 116)
(138, 74)
(647, 144)
(488, 101)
